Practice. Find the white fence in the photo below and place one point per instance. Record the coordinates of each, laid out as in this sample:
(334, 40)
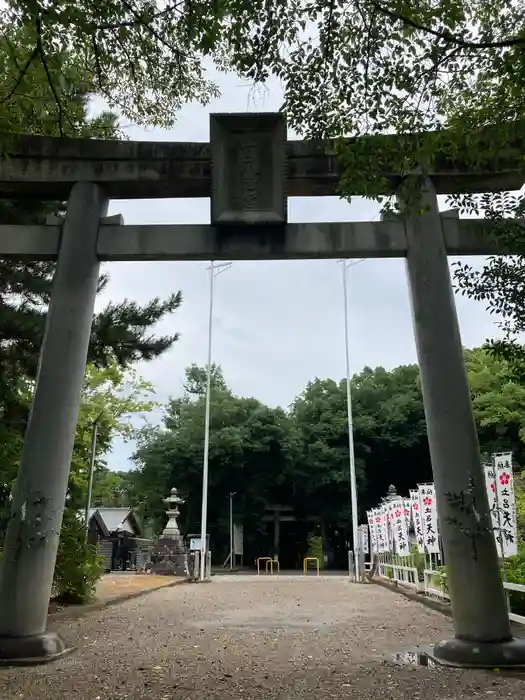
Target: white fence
(434, 584)
(401, 570)
(425, 576)
(517, 588)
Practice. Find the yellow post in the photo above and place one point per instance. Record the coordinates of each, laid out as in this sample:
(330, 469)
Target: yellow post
(305, 564)
(259, 560)
(270, 563)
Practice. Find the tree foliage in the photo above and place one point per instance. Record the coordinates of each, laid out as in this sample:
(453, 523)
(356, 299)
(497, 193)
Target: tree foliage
(122, 331)
(114, 399)
(117, 400)
(45, 97)
(250, 453)
(498, 398)
(453, 71)
(143, 57)
(51, 97)
(346, 67)
(299, 458)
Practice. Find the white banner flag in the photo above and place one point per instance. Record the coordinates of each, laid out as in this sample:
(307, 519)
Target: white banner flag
(406, 510)
(238, 539)
(400, 528)
(390, 526)
(382, 541)
(416, 517)
(363, 531)
(429, 517)
(490, 482)
(506, 503)
(385, 529)
(371, 517)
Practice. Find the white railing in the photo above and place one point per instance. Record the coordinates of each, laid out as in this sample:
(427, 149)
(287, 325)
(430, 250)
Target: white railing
(433, 584)
(400, 570)
(518, 588)
(390, 568)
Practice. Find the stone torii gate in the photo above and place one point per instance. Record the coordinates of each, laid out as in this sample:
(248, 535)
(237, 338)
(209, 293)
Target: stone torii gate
(248, 170)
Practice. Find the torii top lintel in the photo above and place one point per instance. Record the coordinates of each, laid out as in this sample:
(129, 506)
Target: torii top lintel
(248, 166)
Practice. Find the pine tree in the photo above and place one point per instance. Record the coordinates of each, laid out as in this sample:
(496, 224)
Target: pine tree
(124, 331)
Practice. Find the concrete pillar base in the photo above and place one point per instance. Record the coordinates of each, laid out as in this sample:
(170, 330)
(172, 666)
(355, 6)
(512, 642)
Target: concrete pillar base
(29, 651)
(461, 653)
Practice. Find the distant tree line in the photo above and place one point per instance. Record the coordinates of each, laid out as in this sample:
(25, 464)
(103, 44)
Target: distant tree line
(300, 457)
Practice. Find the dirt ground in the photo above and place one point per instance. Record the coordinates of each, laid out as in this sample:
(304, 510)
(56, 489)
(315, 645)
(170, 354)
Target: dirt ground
(114, 586)
(243, 638)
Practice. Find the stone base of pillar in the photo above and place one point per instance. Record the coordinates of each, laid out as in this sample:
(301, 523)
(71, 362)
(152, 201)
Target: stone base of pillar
(460, 653)
(29, 651)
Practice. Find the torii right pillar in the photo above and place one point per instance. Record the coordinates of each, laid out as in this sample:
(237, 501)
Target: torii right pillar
(483, 636)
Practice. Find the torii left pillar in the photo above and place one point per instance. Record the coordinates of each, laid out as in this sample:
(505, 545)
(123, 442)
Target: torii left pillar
(28, 559)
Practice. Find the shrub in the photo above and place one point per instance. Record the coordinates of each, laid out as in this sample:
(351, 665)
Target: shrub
(439, 579)
(418, 561)
(315, 549)
(514, 572)
(78, 565)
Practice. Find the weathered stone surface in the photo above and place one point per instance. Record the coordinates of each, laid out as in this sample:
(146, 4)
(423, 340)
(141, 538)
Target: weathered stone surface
(36, 649)
(167, 559)
(202, 242)
(460, 653)
(248, 169)
(32, 536)
(46, 168)
(169, 554)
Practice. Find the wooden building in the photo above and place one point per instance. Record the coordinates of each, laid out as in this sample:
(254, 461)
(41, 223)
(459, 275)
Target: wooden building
(118, 535)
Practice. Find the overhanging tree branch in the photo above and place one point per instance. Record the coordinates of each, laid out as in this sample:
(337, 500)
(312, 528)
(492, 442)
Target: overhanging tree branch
(148, 26)
(448, 36)
(43, 59)
(138, 20)
(21, 76)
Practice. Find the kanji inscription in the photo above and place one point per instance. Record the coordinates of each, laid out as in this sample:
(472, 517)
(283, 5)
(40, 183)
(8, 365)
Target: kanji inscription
(248, 169)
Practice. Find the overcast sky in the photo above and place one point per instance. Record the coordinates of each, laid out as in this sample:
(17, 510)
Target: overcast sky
(277, 325)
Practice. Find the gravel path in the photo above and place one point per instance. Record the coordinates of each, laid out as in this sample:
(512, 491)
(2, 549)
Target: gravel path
(240, 638)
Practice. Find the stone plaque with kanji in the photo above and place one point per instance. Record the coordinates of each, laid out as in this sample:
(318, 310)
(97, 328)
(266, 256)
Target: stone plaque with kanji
(248, 169)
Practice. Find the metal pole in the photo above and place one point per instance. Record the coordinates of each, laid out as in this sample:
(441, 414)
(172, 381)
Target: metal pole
(231, 528)
(353, 481)
(94, 432)
(204, 513)
(214, 269)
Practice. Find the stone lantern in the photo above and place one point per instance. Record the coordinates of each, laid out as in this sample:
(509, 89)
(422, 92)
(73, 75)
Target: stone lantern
(173, 501)
(169, 555)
